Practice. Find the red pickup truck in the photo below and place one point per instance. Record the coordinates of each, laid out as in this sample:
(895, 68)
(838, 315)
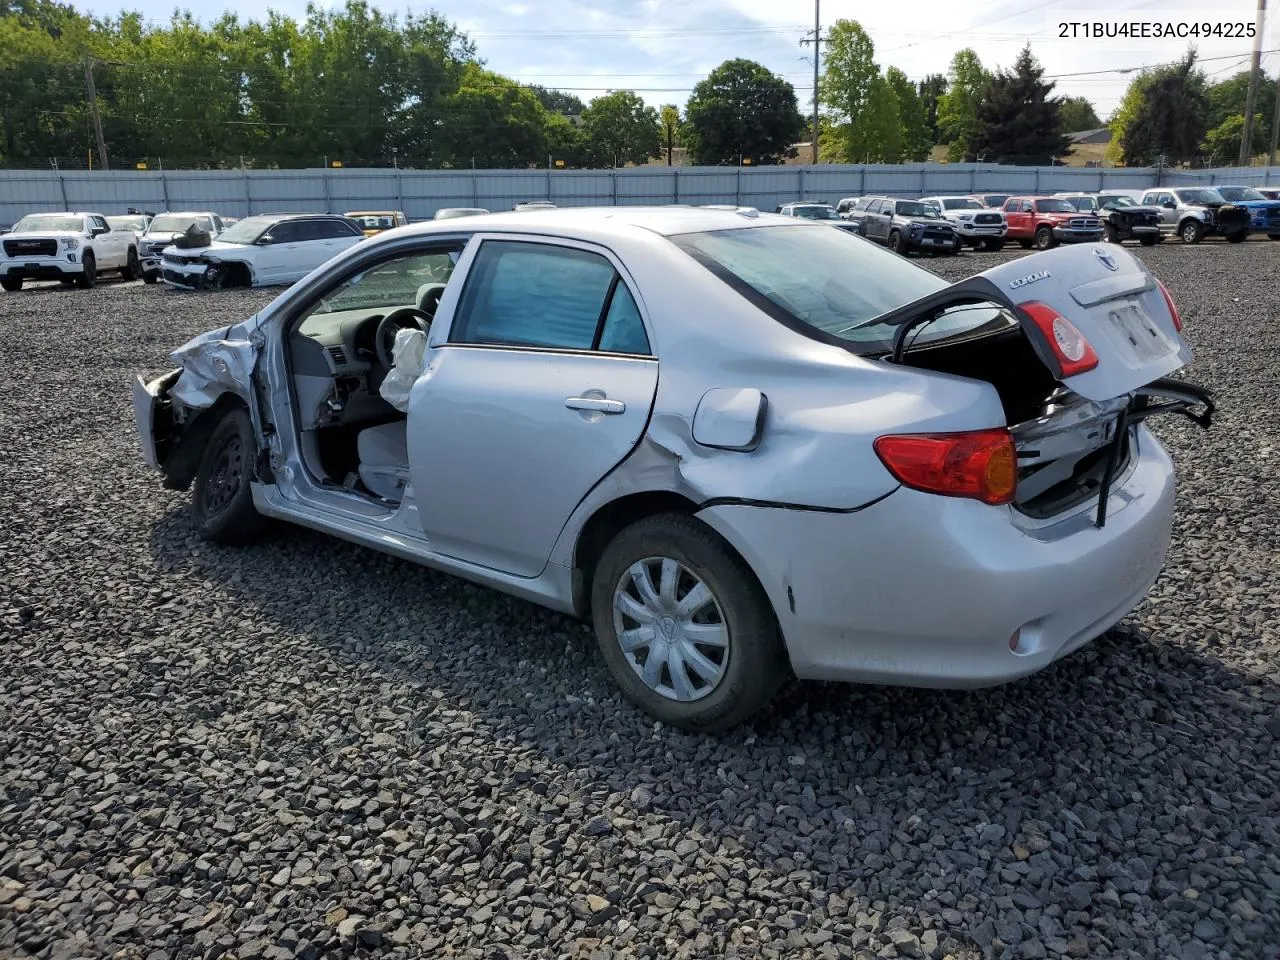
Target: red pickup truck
(1045, 222)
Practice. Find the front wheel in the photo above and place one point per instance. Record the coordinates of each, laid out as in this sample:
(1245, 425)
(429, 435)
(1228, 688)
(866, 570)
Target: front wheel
(895, 242)
(131, 269)
(221, 499)
(1237, 237)
(1110, 234)
(684, 627)
(1150, 241)
(1045, 238)
(11, 284)
(89, 275)
(1191, 232)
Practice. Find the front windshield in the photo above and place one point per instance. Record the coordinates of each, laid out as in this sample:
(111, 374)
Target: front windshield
(127, 223)
(170, 223)
(960, 203)
(1199, 195)
(1054, 206)
(1120, 200)
(247, 231)
(828, 280)
(815, 212)
(1240, 193)
(42, 223)
(373, 221)
(914, 208)
(996, 199)
(1087, 204)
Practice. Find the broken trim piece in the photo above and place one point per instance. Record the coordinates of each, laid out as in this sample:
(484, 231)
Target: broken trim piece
(777, 505)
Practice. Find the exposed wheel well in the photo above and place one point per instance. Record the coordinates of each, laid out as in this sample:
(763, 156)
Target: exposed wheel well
(605, 524)
(237, 275)
(179, 468)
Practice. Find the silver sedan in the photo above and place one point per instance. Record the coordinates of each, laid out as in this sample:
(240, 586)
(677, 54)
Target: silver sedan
(743, 446)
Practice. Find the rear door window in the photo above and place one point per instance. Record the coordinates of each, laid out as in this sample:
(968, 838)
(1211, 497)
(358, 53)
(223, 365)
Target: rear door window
(526, 294)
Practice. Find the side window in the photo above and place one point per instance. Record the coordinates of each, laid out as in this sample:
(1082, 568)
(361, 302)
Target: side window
(100, 223)
(217, 224)
(326, 230)
(533, 295)
(1010, 205)
(1028, 206)
(623, 330)
(284, 232)
(862, 204)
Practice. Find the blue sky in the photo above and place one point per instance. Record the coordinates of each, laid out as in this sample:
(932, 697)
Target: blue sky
(661, 48)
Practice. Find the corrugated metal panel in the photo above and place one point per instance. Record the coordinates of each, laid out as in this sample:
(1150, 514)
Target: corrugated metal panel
(421, 192)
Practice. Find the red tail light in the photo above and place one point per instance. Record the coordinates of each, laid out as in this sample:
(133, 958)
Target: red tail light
(1168, 302)
(1073, 352)
(980, 464)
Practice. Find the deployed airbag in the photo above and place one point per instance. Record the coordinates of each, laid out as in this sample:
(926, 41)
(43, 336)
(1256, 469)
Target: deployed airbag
(406, 367)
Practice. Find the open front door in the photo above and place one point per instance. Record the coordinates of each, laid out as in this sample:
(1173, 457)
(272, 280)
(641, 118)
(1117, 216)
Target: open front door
(544, 385)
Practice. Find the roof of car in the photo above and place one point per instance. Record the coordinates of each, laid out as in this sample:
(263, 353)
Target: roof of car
(602, 221)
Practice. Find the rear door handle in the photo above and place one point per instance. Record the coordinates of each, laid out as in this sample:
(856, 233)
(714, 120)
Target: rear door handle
(596, 404)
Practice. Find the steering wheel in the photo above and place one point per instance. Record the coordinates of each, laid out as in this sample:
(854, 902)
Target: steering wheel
(384, 338)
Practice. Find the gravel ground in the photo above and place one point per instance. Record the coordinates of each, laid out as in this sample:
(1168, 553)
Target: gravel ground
(306, 748)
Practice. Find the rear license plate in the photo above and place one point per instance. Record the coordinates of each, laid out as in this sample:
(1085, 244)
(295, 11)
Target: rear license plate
(1133, 324)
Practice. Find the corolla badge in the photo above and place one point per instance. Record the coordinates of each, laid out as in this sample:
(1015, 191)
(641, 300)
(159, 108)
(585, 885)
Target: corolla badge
(1106, 259)
(1029, 278)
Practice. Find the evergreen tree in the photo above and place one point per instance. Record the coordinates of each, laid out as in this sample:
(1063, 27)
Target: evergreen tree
(1017, 120)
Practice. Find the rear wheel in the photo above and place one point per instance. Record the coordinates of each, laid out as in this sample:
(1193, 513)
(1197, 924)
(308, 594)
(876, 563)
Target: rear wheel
(89, 275)
(1045, 239)
(221, 499)
(1191, 232)
(12, 284)
(130, 270)
(683, 625)
(895, 242)
(1237, 237)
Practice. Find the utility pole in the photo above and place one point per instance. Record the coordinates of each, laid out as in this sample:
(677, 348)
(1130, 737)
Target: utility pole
(97, 117)
(817, 57)
(1275, 126)
(1251, 99)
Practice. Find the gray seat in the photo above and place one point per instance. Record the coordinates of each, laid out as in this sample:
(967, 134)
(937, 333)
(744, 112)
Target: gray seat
(384, 459)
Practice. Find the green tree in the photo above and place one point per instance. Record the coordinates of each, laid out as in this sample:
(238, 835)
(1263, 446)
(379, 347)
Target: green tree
(916, 138)
(671, 126)
(492, 122)
(1076, 114)
(958, 107)
(557, 101)
(932, 89)
(741, 110)
(1017, 121)
(1221, 145)
(1227, 99)
(864, 115)
(618, 129)
(1166, 116)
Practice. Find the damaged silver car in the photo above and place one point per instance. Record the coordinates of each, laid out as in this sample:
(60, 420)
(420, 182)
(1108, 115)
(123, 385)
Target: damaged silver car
(743, 446)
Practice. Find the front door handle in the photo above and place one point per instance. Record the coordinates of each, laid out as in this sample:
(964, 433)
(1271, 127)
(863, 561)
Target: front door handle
(596, 404)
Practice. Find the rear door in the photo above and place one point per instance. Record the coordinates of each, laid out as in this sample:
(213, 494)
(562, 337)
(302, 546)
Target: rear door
(540, 381)
(877, 222)
(277, 252)
(1168, 215)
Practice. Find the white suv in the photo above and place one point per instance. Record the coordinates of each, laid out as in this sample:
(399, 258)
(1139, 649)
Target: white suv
(71, 247)
(976, 225)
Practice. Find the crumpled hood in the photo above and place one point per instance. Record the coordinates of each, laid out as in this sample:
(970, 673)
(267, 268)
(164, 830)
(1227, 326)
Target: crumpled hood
(215, 249)
(1155, 211)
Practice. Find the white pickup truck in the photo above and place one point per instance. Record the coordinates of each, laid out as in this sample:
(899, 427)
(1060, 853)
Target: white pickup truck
(166, 228)
(71, 247)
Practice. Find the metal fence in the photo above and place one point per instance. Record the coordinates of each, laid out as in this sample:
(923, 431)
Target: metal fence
(419, 193)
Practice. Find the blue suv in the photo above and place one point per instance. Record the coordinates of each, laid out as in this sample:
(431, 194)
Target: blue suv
(1264, 213)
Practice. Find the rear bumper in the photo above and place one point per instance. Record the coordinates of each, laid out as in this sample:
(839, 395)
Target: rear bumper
(41, 268)
(921, 590)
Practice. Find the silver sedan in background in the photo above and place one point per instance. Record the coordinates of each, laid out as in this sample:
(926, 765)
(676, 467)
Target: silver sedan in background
(743, 446)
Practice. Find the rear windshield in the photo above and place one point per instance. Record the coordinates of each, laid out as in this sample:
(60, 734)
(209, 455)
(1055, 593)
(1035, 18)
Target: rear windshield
(827, 280)
(1240, 193)
(39, 223)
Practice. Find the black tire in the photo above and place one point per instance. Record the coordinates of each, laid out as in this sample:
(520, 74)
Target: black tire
(1045, 240)
(1149, 241)
(220, 499)
(1025, 244)
(1237, 237)
(895, 242)
(89, 276)
(151, 276)
(1273, 236)
(755, 661)
(1110, 234)
(131, 269)
(11, 284)
(1190, 231)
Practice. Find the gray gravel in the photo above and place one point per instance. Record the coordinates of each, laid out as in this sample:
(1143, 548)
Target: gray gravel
(306, 748)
